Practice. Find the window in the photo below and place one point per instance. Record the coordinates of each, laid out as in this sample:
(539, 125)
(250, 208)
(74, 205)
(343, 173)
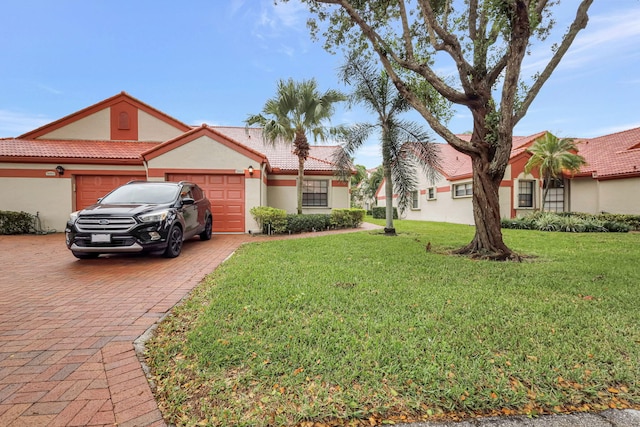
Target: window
(463, 190)
(526, 191)
(415, 199)
(431, 193)
(315, 193)
(555, 196)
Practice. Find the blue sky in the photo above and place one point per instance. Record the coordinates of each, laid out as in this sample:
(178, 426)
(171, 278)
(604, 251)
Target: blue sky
(218, 61)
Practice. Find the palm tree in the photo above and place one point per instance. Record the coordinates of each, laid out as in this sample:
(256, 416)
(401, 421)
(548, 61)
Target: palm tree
(297, 109)
(553, 157)
(375, 91)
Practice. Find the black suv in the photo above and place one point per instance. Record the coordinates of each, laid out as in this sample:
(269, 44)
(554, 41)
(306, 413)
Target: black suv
(141, 216)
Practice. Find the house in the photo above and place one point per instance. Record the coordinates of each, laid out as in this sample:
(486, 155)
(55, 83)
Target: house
(609, 182)
(68, 164)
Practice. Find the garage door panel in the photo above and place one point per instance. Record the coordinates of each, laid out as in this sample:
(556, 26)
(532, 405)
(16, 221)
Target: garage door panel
(89, 188)
(226, 193)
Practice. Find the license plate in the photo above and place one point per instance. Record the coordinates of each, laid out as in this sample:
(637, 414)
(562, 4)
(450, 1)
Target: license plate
(100, 238)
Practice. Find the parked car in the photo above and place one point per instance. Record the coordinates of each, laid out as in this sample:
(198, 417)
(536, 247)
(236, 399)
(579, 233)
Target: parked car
(141, 216)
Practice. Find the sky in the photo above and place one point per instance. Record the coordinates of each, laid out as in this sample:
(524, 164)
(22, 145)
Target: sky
(216, 62)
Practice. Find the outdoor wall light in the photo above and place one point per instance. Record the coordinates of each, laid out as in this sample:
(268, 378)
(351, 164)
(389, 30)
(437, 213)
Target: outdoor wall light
(251, 170)
(60, 170)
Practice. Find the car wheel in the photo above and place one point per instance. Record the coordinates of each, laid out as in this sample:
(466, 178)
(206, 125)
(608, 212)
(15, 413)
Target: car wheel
(174, 243)
(85, 255)
(206, 234)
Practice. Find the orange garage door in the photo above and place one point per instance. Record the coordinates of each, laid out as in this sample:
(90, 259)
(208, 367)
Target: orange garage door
(226, 193)
(90, 188)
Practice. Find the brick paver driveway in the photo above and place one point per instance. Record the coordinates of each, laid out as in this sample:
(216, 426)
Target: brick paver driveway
(67, 328)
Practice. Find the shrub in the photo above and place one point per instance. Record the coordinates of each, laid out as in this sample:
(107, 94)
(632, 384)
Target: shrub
(568, 222)
(347, 218)
(523, 223)
(631, 221)
(15, 222)
(270, 220)
(573, 224)
(380, 212)
(301, 223)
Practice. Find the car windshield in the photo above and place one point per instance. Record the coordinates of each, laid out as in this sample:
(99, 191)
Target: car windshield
(142, 193)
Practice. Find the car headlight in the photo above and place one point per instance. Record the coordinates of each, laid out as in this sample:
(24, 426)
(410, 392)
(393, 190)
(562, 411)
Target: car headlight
(73, 216)
(154, 216)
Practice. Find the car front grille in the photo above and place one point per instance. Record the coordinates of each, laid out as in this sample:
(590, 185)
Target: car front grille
(106, 224)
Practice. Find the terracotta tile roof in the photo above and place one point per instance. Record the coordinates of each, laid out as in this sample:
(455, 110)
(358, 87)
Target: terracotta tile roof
(280, 155)
(455, 165)
(73, 149)
(612, 156)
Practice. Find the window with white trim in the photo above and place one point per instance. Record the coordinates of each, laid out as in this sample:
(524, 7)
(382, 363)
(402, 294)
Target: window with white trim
(415, 200)
(526, 191)
(463, 190)
(315, 193)
(431, 193)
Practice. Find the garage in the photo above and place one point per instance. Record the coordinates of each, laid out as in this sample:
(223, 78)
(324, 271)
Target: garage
(90, 188)
(226, 193)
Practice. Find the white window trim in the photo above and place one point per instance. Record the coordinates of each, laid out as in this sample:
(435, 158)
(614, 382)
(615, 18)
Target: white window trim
(534, 197)
(415, 199)
(435, 193)
(329, 196)
(455, 186)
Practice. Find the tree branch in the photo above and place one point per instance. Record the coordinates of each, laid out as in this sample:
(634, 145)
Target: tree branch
(579, 23)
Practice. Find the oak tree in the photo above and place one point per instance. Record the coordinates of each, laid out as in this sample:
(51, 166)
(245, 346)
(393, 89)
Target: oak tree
(485, 41)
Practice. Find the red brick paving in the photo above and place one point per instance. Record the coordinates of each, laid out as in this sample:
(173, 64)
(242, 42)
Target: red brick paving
(67, 328)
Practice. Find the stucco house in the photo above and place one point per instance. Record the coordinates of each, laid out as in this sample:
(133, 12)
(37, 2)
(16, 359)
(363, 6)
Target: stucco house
(66, 165)
(609, 182)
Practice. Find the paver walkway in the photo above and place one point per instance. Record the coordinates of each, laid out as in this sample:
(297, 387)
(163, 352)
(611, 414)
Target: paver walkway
(67, 328)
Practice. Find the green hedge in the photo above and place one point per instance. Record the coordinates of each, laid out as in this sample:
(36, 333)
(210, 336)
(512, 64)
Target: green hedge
(380, 212)
(347, 218)
(303, 223)
(15, 222)
(277, 221)
(574, 222)
(270, 220)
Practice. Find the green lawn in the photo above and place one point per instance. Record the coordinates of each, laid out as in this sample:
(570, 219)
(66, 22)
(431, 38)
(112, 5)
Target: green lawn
(349, 328)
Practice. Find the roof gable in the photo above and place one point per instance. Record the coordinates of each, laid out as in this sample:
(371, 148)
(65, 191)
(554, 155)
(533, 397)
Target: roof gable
(199, 132)
(281, 157)
(122, 98)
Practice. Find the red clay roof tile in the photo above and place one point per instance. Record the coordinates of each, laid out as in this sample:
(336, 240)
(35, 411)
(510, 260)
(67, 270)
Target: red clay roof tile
(73, 149)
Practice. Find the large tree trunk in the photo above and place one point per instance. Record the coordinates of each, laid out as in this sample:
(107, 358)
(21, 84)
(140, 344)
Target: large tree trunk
(487, 242)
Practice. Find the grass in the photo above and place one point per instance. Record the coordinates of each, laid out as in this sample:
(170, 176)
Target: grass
(357, 328)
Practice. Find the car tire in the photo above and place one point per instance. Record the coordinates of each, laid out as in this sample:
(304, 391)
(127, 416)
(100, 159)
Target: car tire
(85, 255)
(206, 234)
(174, 243)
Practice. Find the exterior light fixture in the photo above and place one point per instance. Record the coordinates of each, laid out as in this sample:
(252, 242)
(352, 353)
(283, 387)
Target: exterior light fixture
(251, 170)
(60, 170)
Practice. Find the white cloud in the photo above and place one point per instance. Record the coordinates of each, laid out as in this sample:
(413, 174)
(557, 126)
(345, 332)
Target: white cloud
(612, 34)
(611, 129)
(14, 123)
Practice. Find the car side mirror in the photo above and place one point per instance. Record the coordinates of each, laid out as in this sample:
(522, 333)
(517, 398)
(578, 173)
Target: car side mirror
(188, 201)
